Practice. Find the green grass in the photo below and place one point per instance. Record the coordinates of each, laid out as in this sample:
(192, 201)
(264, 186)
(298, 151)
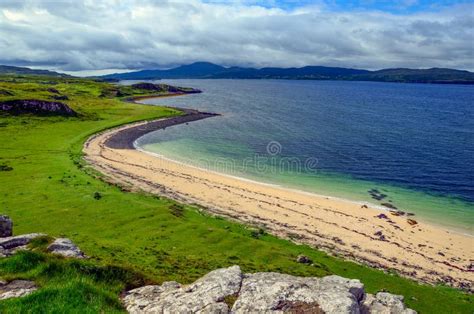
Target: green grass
(49, 189)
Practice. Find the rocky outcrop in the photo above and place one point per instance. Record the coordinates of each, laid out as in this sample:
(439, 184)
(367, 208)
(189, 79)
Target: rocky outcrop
(227, 290)
(207, 294)
(10, 245)
(6, 226)
(66, 248)
(37, 107)
(263, 292)
(16, 289)
(165, 88)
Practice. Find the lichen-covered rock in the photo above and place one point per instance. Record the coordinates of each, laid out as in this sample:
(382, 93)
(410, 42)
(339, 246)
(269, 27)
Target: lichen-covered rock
(227, 290)
(65, 247)
(206, 295)
(266, 292)
(6, 226)
(16, 289)
(385, 303)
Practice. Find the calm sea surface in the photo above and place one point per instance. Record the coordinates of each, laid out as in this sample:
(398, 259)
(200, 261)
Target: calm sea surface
(408, 145)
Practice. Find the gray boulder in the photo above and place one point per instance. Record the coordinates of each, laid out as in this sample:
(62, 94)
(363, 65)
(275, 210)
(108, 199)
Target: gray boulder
(226, 290)
(6, 226)
(65, 247)
(10, 243)
(206, 295)
(274, 292)
(16, 289)
(385, 303)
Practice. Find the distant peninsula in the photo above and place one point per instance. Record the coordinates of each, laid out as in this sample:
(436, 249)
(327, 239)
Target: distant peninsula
(206, 70)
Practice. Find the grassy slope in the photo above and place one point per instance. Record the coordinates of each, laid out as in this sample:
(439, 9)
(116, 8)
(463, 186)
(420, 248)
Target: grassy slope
(50, 191)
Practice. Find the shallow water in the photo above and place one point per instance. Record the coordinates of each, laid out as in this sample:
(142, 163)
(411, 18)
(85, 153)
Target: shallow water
(411, 143)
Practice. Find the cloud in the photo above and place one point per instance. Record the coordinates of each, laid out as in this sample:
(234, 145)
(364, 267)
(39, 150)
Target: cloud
(75, 35)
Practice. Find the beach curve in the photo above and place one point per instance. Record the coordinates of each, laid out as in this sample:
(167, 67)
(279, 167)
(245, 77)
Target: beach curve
(361, 233)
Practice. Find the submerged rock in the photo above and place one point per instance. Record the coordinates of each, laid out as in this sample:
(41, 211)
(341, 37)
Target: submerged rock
(16, 289)
(6, 226)
(65, 247)
(228, 291)
(37, 107)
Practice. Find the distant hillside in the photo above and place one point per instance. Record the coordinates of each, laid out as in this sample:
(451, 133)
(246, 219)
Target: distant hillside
(6, 69)
(433, 75)
(213, 71)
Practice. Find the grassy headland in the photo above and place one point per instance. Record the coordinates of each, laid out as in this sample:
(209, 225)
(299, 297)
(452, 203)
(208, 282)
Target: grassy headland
(46, 187)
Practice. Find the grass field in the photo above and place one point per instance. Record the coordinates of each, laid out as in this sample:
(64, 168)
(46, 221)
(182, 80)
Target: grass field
(132, 238)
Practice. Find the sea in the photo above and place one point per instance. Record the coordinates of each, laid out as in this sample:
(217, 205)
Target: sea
(408, 147)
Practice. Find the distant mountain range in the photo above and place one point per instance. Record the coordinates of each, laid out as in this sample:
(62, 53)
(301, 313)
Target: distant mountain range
(206, 70)
(6, 69)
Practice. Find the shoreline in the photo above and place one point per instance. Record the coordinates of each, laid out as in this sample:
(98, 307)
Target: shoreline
(295, 190)
(353, 230)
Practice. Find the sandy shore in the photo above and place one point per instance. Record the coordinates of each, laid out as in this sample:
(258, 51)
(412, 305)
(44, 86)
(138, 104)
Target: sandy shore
(361, 233)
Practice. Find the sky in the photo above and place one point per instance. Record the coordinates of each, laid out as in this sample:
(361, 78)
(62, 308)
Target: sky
(104, 36)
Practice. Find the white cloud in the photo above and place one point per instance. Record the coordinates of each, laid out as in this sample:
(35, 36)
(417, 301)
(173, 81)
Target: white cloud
(109, 34)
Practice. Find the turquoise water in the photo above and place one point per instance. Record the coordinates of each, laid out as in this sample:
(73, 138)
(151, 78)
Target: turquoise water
(412, 143)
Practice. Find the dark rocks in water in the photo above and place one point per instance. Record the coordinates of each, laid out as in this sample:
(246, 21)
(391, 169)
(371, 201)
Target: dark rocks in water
(388, 205)
(37, 107)
(376, 194)
(303, 259)
(397, 212)
(6, 226)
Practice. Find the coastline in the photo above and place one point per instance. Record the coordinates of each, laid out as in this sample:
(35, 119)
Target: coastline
(358, 232)
(381, 208)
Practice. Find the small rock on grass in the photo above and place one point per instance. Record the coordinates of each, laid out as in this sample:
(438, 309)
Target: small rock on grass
(6, 226)
(65, 247)
(303, 259)
(16, 289)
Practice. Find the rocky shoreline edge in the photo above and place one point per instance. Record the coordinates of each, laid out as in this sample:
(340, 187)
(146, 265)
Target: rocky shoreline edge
(126, 137)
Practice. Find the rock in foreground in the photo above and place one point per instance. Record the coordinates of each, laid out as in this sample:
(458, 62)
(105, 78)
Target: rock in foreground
(227, 290)
(205, 295)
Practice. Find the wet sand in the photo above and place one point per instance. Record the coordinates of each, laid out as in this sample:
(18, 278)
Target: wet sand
(358, 232)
